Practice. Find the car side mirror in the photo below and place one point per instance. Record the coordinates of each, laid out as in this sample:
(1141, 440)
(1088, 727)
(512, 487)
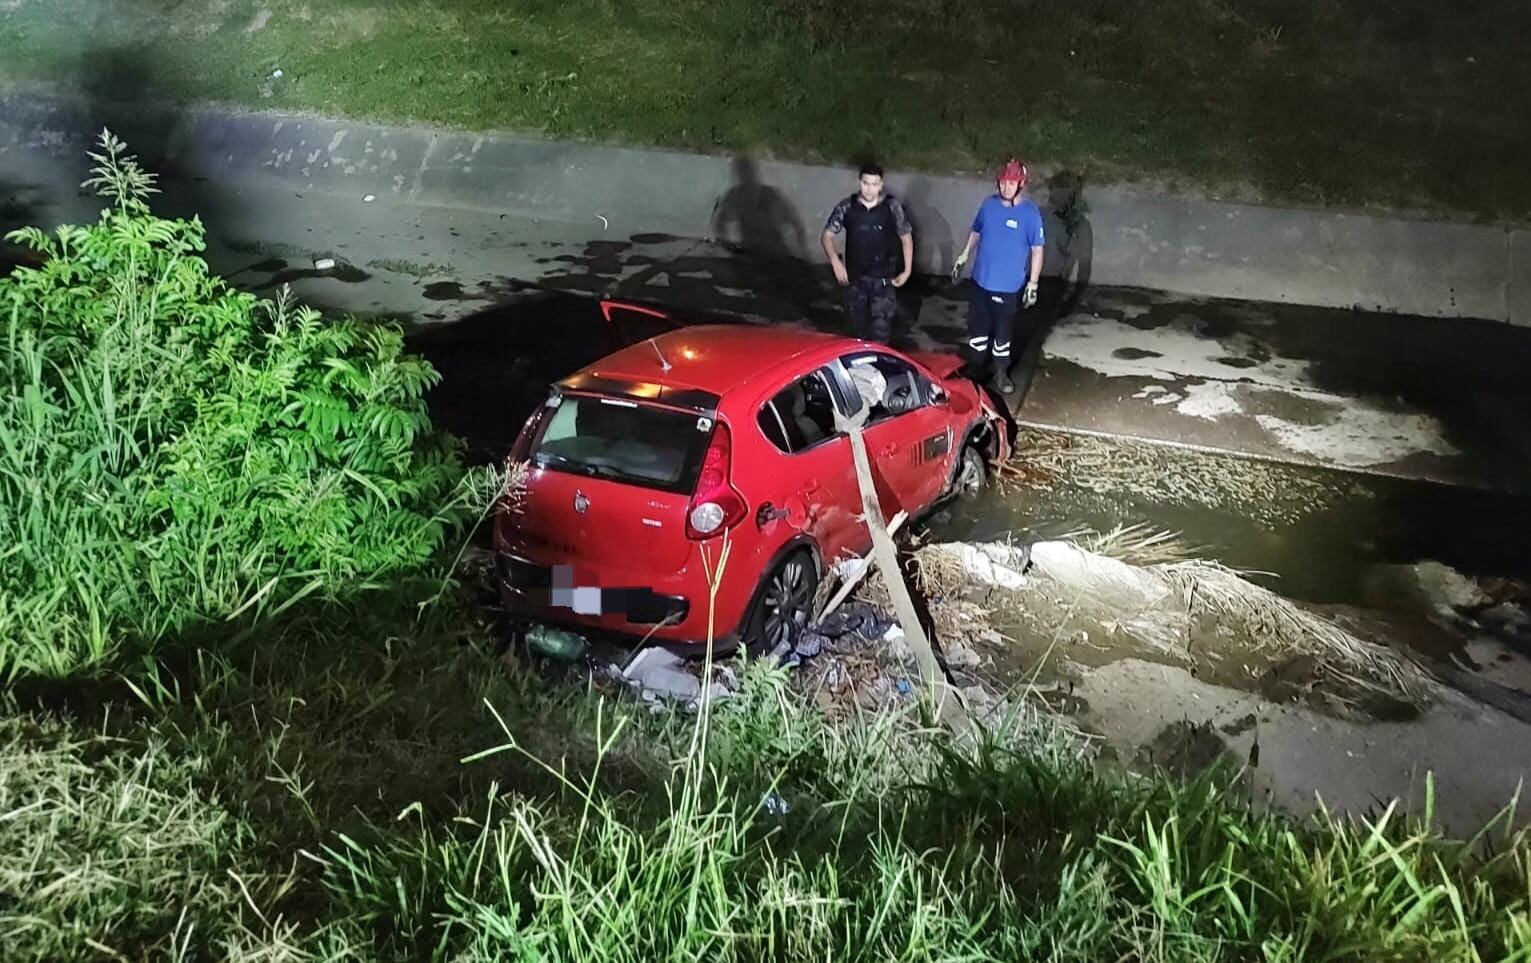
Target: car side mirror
(936, 394)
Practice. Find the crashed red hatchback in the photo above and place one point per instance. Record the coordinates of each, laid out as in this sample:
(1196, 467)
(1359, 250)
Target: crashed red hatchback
(638, 466)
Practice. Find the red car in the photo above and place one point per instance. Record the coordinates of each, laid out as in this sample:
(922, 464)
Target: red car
(640, 464)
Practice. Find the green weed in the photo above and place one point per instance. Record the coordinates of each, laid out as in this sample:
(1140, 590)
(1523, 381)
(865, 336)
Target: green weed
(174, 452)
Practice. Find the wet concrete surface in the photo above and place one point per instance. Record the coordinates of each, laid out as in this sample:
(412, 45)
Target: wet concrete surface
(1411, 397)
(1465, 761)
(1334, 541)
(1309, 533)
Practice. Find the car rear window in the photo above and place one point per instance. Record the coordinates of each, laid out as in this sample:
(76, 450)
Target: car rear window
(625, 441)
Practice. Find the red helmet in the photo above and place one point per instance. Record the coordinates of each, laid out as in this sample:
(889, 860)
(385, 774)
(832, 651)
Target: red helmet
(1013, 170)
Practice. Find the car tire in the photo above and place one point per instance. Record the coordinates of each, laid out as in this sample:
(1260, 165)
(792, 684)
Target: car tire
(972, 474)
(783, 605)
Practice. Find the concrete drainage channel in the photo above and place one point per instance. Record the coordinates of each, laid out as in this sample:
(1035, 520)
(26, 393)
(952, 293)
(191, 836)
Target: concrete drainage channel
(1143, 684)
(1066, 593)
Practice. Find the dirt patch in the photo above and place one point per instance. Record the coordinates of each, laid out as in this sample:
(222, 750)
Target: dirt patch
(259, 21)
(359, 24)
(1186, 749)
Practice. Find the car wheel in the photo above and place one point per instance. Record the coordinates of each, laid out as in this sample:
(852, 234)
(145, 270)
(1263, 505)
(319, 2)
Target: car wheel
(784, 606)
(972, 474)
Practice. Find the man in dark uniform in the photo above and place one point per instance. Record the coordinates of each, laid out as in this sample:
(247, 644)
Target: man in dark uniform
(879, 254)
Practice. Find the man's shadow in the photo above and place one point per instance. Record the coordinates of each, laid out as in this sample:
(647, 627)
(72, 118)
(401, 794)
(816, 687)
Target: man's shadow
(1068, 260)
(758, 225)
(934, 247)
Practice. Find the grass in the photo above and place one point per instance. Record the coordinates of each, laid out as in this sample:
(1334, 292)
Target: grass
(174, 453)
(369, 783)
(1325, 102)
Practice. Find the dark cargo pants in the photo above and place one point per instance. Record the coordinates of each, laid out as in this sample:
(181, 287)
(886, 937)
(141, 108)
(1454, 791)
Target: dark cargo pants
(872, 304)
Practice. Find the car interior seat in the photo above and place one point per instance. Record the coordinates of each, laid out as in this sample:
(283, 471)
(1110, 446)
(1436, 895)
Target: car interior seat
(809, 429)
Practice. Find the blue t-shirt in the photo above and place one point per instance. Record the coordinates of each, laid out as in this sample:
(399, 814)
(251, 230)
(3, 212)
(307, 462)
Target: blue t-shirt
(1006, 236)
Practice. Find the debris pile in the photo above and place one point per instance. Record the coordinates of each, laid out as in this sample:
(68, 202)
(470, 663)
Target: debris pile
(1194, 613)
(1273, 494)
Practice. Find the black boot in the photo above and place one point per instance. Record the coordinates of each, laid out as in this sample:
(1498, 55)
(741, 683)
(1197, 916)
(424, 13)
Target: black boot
(1002, 377)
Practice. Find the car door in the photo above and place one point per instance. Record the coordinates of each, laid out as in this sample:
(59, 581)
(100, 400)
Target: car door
(809, 470)
(909, 440)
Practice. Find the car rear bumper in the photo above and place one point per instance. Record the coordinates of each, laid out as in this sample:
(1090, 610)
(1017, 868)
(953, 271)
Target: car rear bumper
(663, 611)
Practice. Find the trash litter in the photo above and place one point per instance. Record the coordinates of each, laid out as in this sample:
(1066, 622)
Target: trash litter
(368, 198)
(324, 263)
(959, 656)
(774, 804)
(994, 563)
(898, 648)
(556, 643)
(836, 678)
(661, 672)
(809, 644)
(1427, 587)
(854, 618)
(904, 688)
(276, 74)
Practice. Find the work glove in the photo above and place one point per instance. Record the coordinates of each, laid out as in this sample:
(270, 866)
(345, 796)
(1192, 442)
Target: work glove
(962, 260)
(1029, 296)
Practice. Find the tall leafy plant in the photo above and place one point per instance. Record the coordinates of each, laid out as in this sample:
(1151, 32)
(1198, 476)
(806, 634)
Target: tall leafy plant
(174, 451)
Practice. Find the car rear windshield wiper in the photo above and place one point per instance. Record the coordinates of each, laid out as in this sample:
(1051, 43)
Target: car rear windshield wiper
(590, 469)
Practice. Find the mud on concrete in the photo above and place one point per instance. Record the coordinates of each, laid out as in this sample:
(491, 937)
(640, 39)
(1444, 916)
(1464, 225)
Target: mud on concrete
(1328, 714)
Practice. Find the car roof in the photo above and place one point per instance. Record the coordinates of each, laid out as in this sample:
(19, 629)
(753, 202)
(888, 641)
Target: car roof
(715, 358)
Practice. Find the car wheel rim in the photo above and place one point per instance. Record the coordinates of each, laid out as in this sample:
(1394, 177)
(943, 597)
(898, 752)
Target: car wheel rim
(972, 474)
(786, 603)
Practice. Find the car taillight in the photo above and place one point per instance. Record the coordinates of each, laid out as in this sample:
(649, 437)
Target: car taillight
(715, 506)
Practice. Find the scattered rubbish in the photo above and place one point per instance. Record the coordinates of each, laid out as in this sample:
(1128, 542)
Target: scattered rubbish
(605, 224)
(852, 570)
(836, 678)
(774, 804)
(368, 198)
(810, 643)
(995, 564)
(556, 643)
(324, 263)
(1271, 495)
(661, 672)
(959, 656)
(1507, 615)
(903, 687)
(1428, 587)
(276, 74)
(859, 619)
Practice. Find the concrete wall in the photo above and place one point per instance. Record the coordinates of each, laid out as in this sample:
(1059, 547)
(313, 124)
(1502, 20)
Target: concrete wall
(1129, 237)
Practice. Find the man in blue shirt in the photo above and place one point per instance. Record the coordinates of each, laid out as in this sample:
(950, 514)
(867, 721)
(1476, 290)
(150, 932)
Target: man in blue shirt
(1008, 234)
